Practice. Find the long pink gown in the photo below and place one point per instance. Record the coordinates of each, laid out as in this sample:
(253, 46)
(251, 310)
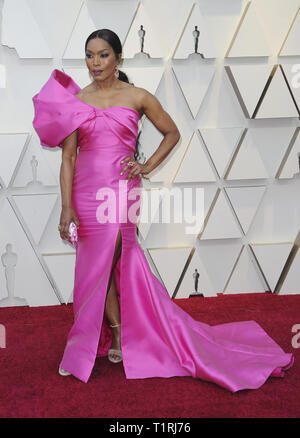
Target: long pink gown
(158, 338)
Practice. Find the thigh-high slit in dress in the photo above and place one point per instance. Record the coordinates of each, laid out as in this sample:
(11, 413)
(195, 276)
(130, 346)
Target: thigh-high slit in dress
(158, 338)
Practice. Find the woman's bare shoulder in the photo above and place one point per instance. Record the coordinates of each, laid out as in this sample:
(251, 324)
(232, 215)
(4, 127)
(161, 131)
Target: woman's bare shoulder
(144, 96)
(136, 91)
(141, 92)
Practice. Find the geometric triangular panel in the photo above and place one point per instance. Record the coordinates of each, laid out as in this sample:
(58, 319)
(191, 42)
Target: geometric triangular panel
(11, 147)
(277, 101)
(150, 201)
(35, 171)
(194, 80)
(84, 25)
(291, 284)
(62, 268)
(50, 241)
(187, 43)
(277, 18)
(185, 231)
(271, 258)
(36, 210)
(291, 44)
(166, 170)
(242, 76)
(134, 14)
(261, 152)
(28, 44)
(221, 223)
(208, 255)
(170, 263)
(195, 166)
(245, 201)
(291, 73)
(249, 39)
(21, 261)
(291, 166)
(98, 15)
(221, 144)
(245, 278)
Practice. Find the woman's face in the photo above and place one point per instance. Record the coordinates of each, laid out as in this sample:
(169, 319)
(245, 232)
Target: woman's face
(100, 59)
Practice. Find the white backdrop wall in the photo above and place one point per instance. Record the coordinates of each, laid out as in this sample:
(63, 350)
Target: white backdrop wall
(236, 103)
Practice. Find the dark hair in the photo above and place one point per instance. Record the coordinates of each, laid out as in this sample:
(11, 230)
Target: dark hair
(114, 41)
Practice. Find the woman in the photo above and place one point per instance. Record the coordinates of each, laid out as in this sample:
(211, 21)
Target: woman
(121, 310)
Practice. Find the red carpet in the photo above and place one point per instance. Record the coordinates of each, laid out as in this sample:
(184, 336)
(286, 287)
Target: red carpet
(31, 387)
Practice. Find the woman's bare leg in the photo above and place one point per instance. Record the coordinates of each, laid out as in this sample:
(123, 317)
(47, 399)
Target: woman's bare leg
(112, 308)
(112, 311)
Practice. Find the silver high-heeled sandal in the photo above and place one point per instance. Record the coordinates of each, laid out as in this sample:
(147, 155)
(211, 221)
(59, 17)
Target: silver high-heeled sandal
(113, 352)
(63, 372)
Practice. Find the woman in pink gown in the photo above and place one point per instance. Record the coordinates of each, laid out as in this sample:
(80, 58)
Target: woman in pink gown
(158, 339)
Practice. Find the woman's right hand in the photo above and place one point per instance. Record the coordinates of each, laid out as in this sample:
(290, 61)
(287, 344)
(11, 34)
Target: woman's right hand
(67, 216)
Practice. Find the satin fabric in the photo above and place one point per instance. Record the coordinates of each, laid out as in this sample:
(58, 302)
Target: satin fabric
(158, 338)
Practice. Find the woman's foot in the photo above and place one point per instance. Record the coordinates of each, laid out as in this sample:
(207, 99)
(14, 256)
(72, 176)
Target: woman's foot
(63, 372)
(115, 352)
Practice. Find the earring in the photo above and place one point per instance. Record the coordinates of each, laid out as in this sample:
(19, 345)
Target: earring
(116, 72)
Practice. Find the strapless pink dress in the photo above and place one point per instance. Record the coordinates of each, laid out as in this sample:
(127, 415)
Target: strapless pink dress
(158, 338)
